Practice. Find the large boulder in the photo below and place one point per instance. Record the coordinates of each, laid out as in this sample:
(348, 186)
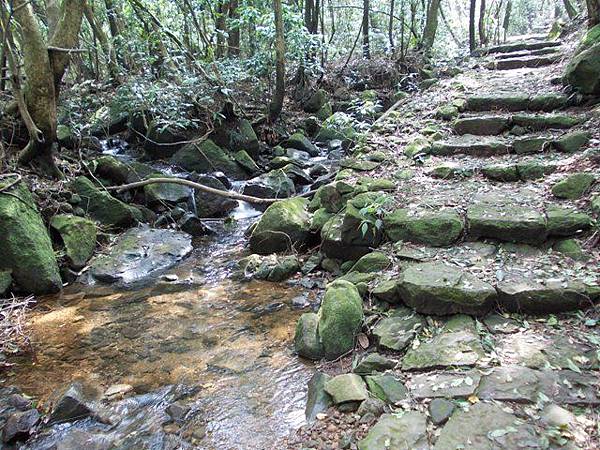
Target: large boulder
(102, 206)
(237, 135)
(583, 71)
(162, 141)
(110, 168)
(438, 229)
(284, 226)
(436, 288)
(160, 193)
(300, 142)
(340, 318)
(273, 184)
(206, 157)
(78, 236)
(25, 246)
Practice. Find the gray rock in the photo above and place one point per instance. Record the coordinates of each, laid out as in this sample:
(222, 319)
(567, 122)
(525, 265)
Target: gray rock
(461, 348)
(510, 383)
(317, 400)
(374, 362)
(506, 223)
(141, 254)
(387, 388)
(397, 331)
(75, 403)
(445, 384)
(406, 432)
(20, 425)
(440, 410)
(372, 406)
(498, 324)
(347, 388)
(485, 426)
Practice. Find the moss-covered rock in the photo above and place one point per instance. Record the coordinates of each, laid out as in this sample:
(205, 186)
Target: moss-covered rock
(566, 221)
(157, 194)
(285, 225)
(306, 339)
(237, 135)
(533, 170)
(339, 126)
(433, 228)
(501, 172)
(572, 142)
(387, 291)
(340, 318)
(110, 168)
(102, 206)
(78, 236)
(545, 122)
(333, 244)
(319, 219)
(315, 102)
(347, 388)
(512, 224)
(436, 288)
(245, 160)
(510, 102)
(387, 388)
(583, 71)
(418, 146)
(273, 184)
(373, 262)
(271, 267)
(300, 142)
(163, 141)
(570, 248)
(25, 247)
(451, 170)
(325, 112)
(573, 186)
(406, 432)
(206, 157)
(482, 126)
(447, 112)
(329, 198)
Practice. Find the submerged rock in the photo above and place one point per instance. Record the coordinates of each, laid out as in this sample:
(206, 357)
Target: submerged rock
(285, 225)
(140, 254)
(79, 237)
(25, 246)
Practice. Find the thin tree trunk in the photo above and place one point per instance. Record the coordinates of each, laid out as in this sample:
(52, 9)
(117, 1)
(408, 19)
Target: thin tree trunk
(233, 40)
(391, 27)
(431, 25)
(365, 30)
(593, 7)
(482, 33)
(107, 48)
(221, 29)
(472, 38)
(277, 102)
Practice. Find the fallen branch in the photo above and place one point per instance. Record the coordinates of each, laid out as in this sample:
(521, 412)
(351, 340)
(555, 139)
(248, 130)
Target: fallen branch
(203, 188)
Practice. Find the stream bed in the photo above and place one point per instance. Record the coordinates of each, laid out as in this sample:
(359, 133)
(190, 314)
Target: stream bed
(219, 345)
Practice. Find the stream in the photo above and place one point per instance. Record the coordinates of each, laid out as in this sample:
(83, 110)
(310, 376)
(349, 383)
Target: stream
(197, 336)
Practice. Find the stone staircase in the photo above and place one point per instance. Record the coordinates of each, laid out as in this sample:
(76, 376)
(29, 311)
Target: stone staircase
(521, 55)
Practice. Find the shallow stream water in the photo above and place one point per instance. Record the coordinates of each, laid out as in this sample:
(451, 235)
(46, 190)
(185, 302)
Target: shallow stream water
(224, 340)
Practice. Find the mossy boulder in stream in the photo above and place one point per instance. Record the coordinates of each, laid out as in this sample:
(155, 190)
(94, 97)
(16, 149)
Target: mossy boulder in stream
(300, 142)
(102, 206)
(206, 157)
(157, 194)
(339, 126)
(285, 225)
(306, 339)
(110, 168)
(237, 135)
(79, 237)
(25, 246)
(340, 318)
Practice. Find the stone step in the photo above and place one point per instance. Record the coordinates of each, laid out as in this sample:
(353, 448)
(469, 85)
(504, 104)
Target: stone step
(540, 52)
(483, 146)
(494, 125)
(519, 46)
(486, 277)
(507, 172)
(514, 102)
(523, 62)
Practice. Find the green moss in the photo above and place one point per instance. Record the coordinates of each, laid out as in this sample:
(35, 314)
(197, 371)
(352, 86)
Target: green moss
(373, 262)
(306, 339)
(340, 318)
(433, 228)
(25, 247)
(573, 186)
(79, 237)
(207, 157)
(501, 172)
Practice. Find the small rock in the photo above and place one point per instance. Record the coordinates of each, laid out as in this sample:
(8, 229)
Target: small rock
(440, 410)
(19, 425)
(117, 391)
(347, 388)
(177, 411)
(555, 416)
(374, 362)
(73, 404)
(373, 406)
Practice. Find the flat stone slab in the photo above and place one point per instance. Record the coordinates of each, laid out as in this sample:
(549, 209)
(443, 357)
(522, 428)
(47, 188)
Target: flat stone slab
(444, 385)
(482, 125)
(406, 432)
(485, 426)
(140, 254)
(471, 145)
(460, 348)
(511, 223)
(524, 62)
(514, 101)
(440, 289)
(521, 46)
(526, 295)
(511, 383)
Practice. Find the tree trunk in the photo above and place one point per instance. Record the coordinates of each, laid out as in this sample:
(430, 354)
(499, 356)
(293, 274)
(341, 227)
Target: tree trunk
(277, 102)
(482, 33)
(593, 7)
(506, 21)
(221, 29)
(431, 25)
(44, 70)
(472, 38)
(233, 40)
(365, 30)
(107, 48)
(391, 27)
